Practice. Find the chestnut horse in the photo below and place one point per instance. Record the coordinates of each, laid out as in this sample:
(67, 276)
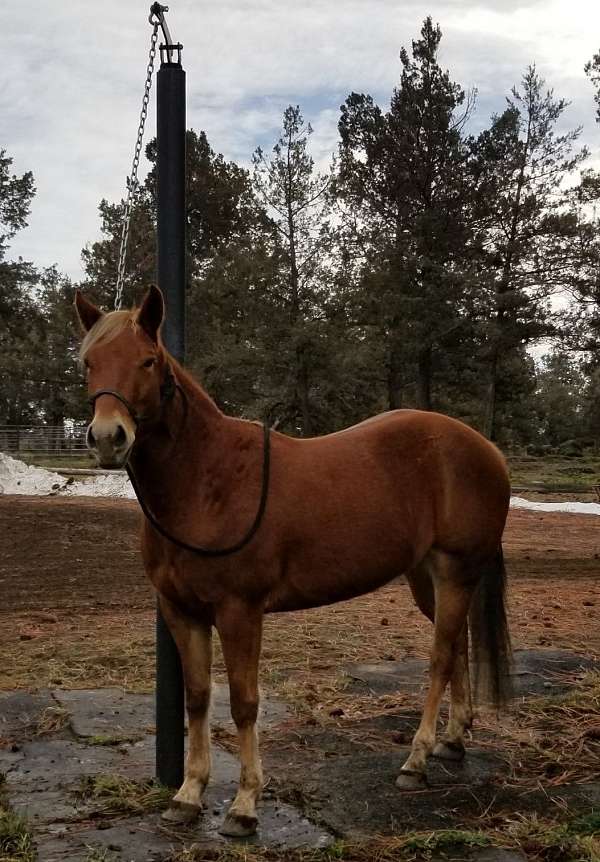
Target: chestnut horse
(242, 521)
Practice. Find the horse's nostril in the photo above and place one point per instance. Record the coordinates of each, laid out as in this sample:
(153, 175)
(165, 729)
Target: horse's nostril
(90, 439)
(120, 437)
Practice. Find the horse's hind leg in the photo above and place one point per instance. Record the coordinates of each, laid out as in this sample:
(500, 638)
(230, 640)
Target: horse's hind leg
(452, 594)
(240, 628)
(452, 746)
(193, 639)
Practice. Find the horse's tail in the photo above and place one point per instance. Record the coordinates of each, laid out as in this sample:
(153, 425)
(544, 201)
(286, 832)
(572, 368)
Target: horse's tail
(490, 638)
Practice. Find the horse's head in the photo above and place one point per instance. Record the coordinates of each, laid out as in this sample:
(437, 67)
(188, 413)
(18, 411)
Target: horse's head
(126, 371)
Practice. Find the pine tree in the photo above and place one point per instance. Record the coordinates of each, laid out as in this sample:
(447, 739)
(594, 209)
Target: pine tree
(101, 258)
(18, 313)
(16, 194)
(560, 398)
(61, 393)
(527, 224)
(592, 70)
(403, 181)
(294, 196)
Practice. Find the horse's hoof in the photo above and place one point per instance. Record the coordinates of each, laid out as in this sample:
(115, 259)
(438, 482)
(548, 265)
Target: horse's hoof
(181, 813)
(410, 779)
(449, 751)
(239, 826)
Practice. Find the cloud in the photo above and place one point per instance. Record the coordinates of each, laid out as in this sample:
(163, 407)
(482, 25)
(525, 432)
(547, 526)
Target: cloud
(73, 75)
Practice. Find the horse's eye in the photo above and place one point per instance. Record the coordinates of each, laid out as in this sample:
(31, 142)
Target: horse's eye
(148, 363)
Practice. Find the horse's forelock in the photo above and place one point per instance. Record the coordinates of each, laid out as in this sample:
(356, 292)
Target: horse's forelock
(107, 328)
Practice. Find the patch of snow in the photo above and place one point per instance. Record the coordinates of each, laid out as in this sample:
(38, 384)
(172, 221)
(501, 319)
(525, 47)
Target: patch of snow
(114, 485)
(19, 478)
(564, 506)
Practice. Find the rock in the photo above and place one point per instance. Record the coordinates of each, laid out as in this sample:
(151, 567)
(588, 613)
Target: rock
(44, 617)
(28, 634)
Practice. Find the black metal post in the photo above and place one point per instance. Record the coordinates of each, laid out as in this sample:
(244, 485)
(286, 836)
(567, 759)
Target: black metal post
(171, 280)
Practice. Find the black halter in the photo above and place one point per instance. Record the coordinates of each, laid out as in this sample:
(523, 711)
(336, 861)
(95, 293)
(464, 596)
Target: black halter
(167, 390)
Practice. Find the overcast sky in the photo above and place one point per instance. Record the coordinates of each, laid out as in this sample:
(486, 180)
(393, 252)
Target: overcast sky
(73, 71)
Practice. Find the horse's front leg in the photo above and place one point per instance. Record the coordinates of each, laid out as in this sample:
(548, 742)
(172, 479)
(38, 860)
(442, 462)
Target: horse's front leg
(240, 628)
(193, 639)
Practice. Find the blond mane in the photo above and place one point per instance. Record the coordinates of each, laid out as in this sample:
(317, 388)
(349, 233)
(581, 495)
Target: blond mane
(107, 328)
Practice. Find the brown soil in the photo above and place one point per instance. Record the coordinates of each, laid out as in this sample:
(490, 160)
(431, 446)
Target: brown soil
(76, 607)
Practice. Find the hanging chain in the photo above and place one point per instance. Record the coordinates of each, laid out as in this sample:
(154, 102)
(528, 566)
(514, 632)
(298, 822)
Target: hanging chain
(132, 180)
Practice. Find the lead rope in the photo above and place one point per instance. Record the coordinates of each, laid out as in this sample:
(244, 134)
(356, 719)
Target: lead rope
(132, 179)
(215, 552)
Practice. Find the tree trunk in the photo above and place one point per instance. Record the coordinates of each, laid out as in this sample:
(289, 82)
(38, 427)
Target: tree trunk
(424, 379)
(395, 379)
(302, 392)
(504, 285)
(301, 370)
(489, 423)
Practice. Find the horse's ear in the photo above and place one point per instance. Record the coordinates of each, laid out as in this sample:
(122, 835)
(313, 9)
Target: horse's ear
(151, 312)
(87, 312)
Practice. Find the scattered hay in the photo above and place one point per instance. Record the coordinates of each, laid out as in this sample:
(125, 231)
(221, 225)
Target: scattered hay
(576, 840)
(52, 720)
(413, 846)
(97, 650)
(100, 854)
(115, 795)
(551, 742)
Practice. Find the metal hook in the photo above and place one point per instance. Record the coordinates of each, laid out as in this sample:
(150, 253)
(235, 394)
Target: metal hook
(157, 16)
(157, 11)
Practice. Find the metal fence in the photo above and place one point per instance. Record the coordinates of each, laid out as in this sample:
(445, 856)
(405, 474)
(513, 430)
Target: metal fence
(54, 440)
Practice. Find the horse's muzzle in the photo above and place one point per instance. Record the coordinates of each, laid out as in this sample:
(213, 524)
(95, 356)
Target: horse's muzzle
(110, 442)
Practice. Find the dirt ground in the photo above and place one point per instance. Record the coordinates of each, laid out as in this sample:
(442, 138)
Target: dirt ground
(76, 609)
(77, 612)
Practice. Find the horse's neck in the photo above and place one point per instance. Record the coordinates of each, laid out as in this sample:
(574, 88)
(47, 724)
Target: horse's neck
(182, 450)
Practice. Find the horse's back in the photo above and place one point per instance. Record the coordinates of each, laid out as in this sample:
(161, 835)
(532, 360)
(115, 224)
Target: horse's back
(444, 446)
(466, 475)
(362, 505)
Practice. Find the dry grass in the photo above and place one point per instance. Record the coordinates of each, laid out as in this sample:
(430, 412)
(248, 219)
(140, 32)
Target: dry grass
(52, 720)
(16, 842)
(417, 845)
(106, 648)
(115, 795)
(551, 742)
(85, 650)
(303, 653)
(576, 840)
(573, 840)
